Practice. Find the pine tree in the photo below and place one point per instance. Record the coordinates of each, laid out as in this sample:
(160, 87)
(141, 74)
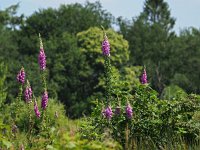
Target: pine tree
(157, 12)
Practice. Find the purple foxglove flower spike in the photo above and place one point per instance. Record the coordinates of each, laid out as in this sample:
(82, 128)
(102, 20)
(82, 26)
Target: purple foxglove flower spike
(44, 100)
(37, 113)
(117, 110)
(129, 111)
(106, 46)
(21, 76)
(108, 112)
(28, 93)
(143, 78)
(42, 56)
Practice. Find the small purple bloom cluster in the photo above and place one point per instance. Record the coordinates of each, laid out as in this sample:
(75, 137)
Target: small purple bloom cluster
(143, 78)
(106, 46)
(42, 56)
(21, 76)
(44, 100)
(107, 112)
(37, 113)
(42, 59)
(28, 93)
(129, 111)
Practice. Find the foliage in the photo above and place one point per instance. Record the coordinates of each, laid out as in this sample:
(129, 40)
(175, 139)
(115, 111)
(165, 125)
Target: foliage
(172, 91)
(186, 57)
(3, 93)
(153, 120)
(147, 46)
(3, 127)
(62, 132)
(170, 58)
(71, 18)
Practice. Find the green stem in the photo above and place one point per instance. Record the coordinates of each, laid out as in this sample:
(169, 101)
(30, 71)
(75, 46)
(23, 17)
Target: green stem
(108, 79)
(127, 136)
(30, 123)
(19, 99)
(20, 92)
(44, 80)
(43, 120)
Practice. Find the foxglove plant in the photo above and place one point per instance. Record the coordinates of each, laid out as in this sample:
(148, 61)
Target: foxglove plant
(108, 112)
(28, 93)
(42, 56)
(106, 52)
(42, 64)
(21, 76)
(143, 78)
(21, 79)
(129, 111)
(44, 101)
(106, 46)
(37, 112)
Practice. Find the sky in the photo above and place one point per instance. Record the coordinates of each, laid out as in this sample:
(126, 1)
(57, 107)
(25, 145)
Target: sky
(186, 12)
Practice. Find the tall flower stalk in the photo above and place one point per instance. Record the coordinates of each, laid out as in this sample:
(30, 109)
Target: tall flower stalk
(107, 65)
(28, 93)
(21, 76)
(42, 63)
(42, 56)
(36, 109)
(44, 100)
(143, 78)
(28, 96)
(21, 79)
(107, 112)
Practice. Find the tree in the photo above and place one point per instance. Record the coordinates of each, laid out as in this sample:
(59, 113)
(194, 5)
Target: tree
(71, 18)
(185, 61)
(157, 12)
(9, 19)
(9, 54)
(3, 93)
(147, 46)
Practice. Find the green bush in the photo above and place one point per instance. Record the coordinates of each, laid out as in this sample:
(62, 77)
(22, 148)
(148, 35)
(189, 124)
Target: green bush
(154, 120)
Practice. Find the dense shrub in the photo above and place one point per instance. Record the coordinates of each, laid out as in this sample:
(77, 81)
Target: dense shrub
(141, 115)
